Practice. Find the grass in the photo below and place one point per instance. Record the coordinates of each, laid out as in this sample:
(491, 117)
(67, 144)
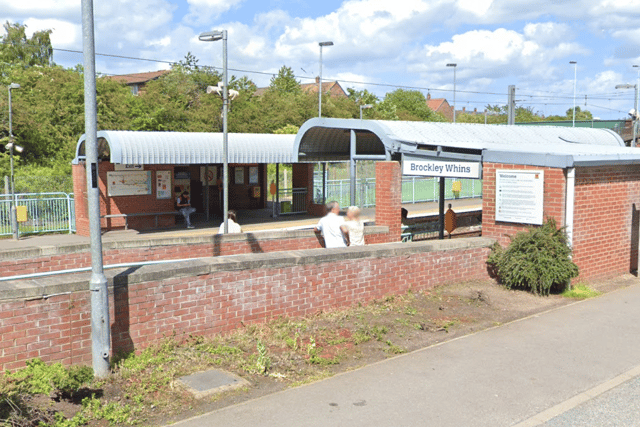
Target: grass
(581, 291)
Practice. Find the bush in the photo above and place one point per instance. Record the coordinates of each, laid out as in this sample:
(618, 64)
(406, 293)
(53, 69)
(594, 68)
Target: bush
(538, 259)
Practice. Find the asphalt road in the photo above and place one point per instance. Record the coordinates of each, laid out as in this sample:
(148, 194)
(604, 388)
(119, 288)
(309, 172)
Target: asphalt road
(504, 376)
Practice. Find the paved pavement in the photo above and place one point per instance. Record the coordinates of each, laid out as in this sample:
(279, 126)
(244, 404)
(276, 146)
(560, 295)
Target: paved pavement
(525, 373)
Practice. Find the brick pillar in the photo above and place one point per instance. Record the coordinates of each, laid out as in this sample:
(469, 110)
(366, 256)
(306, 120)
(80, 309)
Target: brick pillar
(80, 199)
(389, 198)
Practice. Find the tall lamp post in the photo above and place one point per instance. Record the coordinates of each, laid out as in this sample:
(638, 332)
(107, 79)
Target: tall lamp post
(364, 107)
(11, 146)
(634, 116)
(321, 44)
(213, 36)
(575, 80)
(454, 89)
(637, 102)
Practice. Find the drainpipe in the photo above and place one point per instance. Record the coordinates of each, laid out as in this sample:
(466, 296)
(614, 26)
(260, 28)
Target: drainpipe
(569, 201)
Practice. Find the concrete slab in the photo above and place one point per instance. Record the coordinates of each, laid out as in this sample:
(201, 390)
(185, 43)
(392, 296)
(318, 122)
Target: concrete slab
(208, 383)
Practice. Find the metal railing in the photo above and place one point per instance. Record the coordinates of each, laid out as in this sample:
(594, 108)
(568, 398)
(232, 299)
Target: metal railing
(46, 213)
(414, 190)
(292, 201)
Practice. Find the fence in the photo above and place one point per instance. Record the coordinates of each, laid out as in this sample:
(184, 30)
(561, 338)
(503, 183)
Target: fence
(293, 200)
(46, 213)
(414, 190)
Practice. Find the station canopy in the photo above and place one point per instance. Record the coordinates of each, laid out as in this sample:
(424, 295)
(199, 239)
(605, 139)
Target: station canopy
(330, 140)
(182, 148)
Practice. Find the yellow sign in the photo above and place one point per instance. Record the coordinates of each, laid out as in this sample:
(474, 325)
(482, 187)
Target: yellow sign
(21, 213)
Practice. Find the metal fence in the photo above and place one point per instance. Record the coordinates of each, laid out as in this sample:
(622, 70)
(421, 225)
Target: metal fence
(46, 213)
(292, 200)
(414, 190)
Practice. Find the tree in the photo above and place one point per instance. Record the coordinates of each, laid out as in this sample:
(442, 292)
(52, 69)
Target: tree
(409, 105)
(17, 49)
(285, 81)
(362, 97)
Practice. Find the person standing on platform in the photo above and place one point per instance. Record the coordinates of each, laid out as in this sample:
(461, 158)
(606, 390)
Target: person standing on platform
(353, 227)
(330, 227)
(183, 203)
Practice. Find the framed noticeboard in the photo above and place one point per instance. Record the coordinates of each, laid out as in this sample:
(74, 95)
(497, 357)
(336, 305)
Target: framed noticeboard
(131, 183)
(520, 196)
(253, 174)
(238, 175)
(163, 184)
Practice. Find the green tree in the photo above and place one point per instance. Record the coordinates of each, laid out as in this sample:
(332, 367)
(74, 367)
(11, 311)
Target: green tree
(285, 81)
(409, 105)
(17, 49)
(362, 97)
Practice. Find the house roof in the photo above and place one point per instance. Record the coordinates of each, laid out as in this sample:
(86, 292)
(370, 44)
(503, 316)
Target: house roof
(309, 87)
(329, 140)
(435, 103)
(153, 148)
(138, 78)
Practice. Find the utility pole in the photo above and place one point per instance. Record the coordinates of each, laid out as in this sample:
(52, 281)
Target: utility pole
(511, 105)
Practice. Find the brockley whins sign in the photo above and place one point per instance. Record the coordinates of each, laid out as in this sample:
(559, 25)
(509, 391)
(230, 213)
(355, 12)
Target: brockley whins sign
(451, 169)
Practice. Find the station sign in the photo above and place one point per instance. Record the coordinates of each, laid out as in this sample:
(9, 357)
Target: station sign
(420, 166)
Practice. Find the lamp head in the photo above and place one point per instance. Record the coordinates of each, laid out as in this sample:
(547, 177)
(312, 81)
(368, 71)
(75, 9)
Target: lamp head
(12, 146)
(366, 106)
(14, 86)
(635, 115)
(452, 65)
(572, 62)
(329, 43)
(211, 36)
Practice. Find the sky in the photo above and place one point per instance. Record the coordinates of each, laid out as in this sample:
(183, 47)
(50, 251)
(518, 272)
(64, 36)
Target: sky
(379, 45)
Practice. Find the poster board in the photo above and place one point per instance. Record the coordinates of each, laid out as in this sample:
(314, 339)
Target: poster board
(129, 183)
(253, 174)
(212, 174)
(239, 175)
(520, 196)
(163, 184)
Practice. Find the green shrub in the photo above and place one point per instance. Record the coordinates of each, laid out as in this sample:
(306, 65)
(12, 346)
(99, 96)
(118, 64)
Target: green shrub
(39, 378)
(538, 259)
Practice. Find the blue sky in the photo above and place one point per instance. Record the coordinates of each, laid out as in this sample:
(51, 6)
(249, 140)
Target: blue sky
(379, 44)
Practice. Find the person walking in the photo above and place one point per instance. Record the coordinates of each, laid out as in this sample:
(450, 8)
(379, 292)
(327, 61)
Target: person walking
(330, 225)
(353, 227)
(183, 203)
(234, 227)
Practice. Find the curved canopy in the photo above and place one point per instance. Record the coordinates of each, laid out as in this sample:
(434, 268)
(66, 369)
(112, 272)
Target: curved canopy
(329, 140)
(157, 148)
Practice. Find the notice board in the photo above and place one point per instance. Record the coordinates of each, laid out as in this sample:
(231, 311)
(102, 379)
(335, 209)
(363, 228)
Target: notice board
(129, 183)
(520, 196)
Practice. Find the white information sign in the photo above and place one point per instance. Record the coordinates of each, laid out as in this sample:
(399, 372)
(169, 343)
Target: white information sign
(449, 168)
(520, 196)
(163, 185)
(133, 183)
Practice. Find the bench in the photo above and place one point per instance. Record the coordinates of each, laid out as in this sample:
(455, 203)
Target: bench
(126, 216)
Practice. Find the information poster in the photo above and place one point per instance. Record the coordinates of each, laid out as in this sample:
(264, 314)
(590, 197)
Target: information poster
(239, 175)
(253, 174)
(133, 183)
(520, 196)
(163, 184)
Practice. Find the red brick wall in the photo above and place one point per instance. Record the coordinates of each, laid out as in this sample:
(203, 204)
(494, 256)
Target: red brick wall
(605, 237)
(554, 200)
(58, 328)
(389, 198)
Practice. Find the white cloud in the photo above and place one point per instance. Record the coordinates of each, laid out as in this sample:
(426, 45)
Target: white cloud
(64, 34)
(202, 11)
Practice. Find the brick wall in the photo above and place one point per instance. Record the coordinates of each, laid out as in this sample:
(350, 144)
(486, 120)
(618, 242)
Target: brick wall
(216, 295)
(605, 237)
(389, 198)
(554, 200)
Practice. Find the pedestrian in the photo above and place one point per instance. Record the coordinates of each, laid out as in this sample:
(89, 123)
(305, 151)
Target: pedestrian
(353, 227)
(232, 223)
(183, 204)
(330, 225)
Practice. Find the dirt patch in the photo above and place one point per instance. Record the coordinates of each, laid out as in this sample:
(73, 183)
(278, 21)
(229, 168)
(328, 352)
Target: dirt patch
(286, 352)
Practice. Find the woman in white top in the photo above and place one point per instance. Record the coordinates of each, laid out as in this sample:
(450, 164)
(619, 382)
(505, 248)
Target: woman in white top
(234, 227)
(353, 227)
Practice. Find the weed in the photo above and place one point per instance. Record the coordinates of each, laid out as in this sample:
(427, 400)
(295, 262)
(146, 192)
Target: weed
(367, 333)
(263, 362)
(394, 349)
(581, 292)
(410, 311)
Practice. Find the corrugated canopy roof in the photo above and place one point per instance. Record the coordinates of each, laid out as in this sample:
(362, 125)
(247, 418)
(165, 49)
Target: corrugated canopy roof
(329, 140)
(156, 148)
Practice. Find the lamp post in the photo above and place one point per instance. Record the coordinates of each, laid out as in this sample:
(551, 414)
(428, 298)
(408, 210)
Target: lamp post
(575, 80)
(490, 113)
(454, 89)
(213, 36)
(634, 116)
(364, 107)
(321, 44)
(637, 102)
(11, 146)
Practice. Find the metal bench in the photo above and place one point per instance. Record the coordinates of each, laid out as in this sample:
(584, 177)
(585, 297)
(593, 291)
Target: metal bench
(126, 216)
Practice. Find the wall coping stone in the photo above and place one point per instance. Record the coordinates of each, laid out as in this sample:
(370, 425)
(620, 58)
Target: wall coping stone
(151, 242)
(45, 287)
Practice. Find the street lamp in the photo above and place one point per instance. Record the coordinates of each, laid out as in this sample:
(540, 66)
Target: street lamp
(213, 36)
(321, 44)
(633, 113)
(575, 77)
(11, 146)
(364, 107)
(454, 89)
(637, 102)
